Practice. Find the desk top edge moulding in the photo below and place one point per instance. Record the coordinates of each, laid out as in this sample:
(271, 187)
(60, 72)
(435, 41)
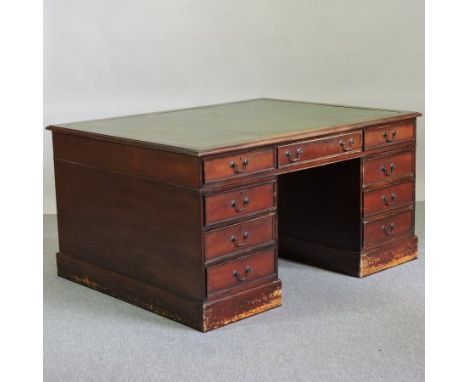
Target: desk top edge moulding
(184, 213)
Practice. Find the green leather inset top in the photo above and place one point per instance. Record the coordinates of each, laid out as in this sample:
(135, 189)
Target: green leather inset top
(210, 127)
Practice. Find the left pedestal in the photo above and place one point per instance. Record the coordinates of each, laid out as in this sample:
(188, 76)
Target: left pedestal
(131, 222)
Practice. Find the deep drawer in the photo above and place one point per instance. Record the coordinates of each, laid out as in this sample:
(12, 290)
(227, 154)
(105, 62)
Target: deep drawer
(388, 168)
(239, 165)
(389, 134)
(239, 236)
(233, 204)
(319, 148)
(240, 271)
(389, 227)
(387, 198)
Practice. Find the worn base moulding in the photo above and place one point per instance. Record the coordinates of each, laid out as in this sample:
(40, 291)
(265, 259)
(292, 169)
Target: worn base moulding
(348, 262)
(203, 316)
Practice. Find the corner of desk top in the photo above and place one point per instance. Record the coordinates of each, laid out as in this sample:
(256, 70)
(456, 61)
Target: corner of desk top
(126, 141)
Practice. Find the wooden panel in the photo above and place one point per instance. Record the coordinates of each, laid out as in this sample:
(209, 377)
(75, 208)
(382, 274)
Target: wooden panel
(389, 134)
(140, 161)
(243, 304)
(241, 271)
(239, 236)
(387, 198)
(149, 297)
(396, 253)
(141, 229)
(322, 205)
(387, 228)
(387, 168)
(322, 256)
(319, 148)
(235, 166)
(238, 203)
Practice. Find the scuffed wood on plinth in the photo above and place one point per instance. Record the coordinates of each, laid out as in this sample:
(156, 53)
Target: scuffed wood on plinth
(389, 256)
(242, 305)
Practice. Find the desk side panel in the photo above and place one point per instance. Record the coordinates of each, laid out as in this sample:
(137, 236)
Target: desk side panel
(137, 228)
(162, 166)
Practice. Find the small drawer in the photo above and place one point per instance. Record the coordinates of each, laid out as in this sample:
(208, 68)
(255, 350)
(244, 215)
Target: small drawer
(319, 148)
(389, 134)
(233, 204)
(388, 168)
(239, 236)
(239, 165)
(240, 271)
(386, 198)
(389, 227)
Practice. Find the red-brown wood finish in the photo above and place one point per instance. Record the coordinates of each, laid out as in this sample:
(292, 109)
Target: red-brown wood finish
(245, 201)
(389, 134)
(194, 236)
(120, 223)
(162, 301)
(237, 306)
(393, 253)
(335, 145)
(238, 237)
(242, 271)
(388, 198)
(388, 227)
(162, 166)
(235, 166)
(388, 168)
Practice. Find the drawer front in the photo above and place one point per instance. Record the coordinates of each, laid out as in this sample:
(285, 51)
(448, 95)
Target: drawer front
(240, 271)
(389, 135)
(319, 148)
(387, 198)
(239, 236)
(239, 165)
(387, 168)
(381, 230)
(238, 203)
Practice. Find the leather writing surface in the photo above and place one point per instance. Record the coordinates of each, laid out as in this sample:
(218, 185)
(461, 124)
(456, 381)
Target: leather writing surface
(209, 127)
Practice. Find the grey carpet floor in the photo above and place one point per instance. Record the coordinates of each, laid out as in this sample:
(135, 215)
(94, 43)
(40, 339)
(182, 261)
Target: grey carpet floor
(330, 327)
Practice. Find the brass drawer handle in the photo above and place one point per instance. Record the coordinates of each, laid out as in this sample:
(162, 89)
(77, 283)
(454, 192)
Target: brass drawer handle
(245, 204)
(236, 274)
(392, 199)
(390, 229)
(297, 156)
(386, 171)
(350, 144)
(236, 168)
(237, 242)
(389, 138)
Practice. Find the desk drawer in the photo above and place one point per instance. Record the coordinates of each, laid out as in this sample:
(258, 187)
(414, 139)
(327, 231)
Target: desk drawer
(233, 204)
(319, 148)
(240, 271)
(388, 168)
(387, 198)
(389, 227)
(239, 165)
(389, 134)
(239, 236)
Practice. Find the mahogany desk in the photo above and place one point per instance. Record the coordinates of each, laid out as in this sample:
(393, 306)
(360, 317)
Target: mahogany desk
(184, 212)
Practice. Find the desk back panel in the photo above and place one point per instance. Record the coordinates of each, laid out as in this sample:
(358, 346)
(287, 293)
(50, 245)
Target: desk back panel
(321, 206)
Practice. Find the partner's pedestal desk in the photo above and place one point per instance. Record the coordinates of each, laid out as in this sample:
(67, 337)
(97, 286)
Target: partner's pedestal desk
(184, 212)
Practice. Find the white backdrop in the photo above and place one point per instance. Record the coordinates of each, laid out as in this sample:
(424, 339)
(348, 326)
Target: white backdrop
(115, 57)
